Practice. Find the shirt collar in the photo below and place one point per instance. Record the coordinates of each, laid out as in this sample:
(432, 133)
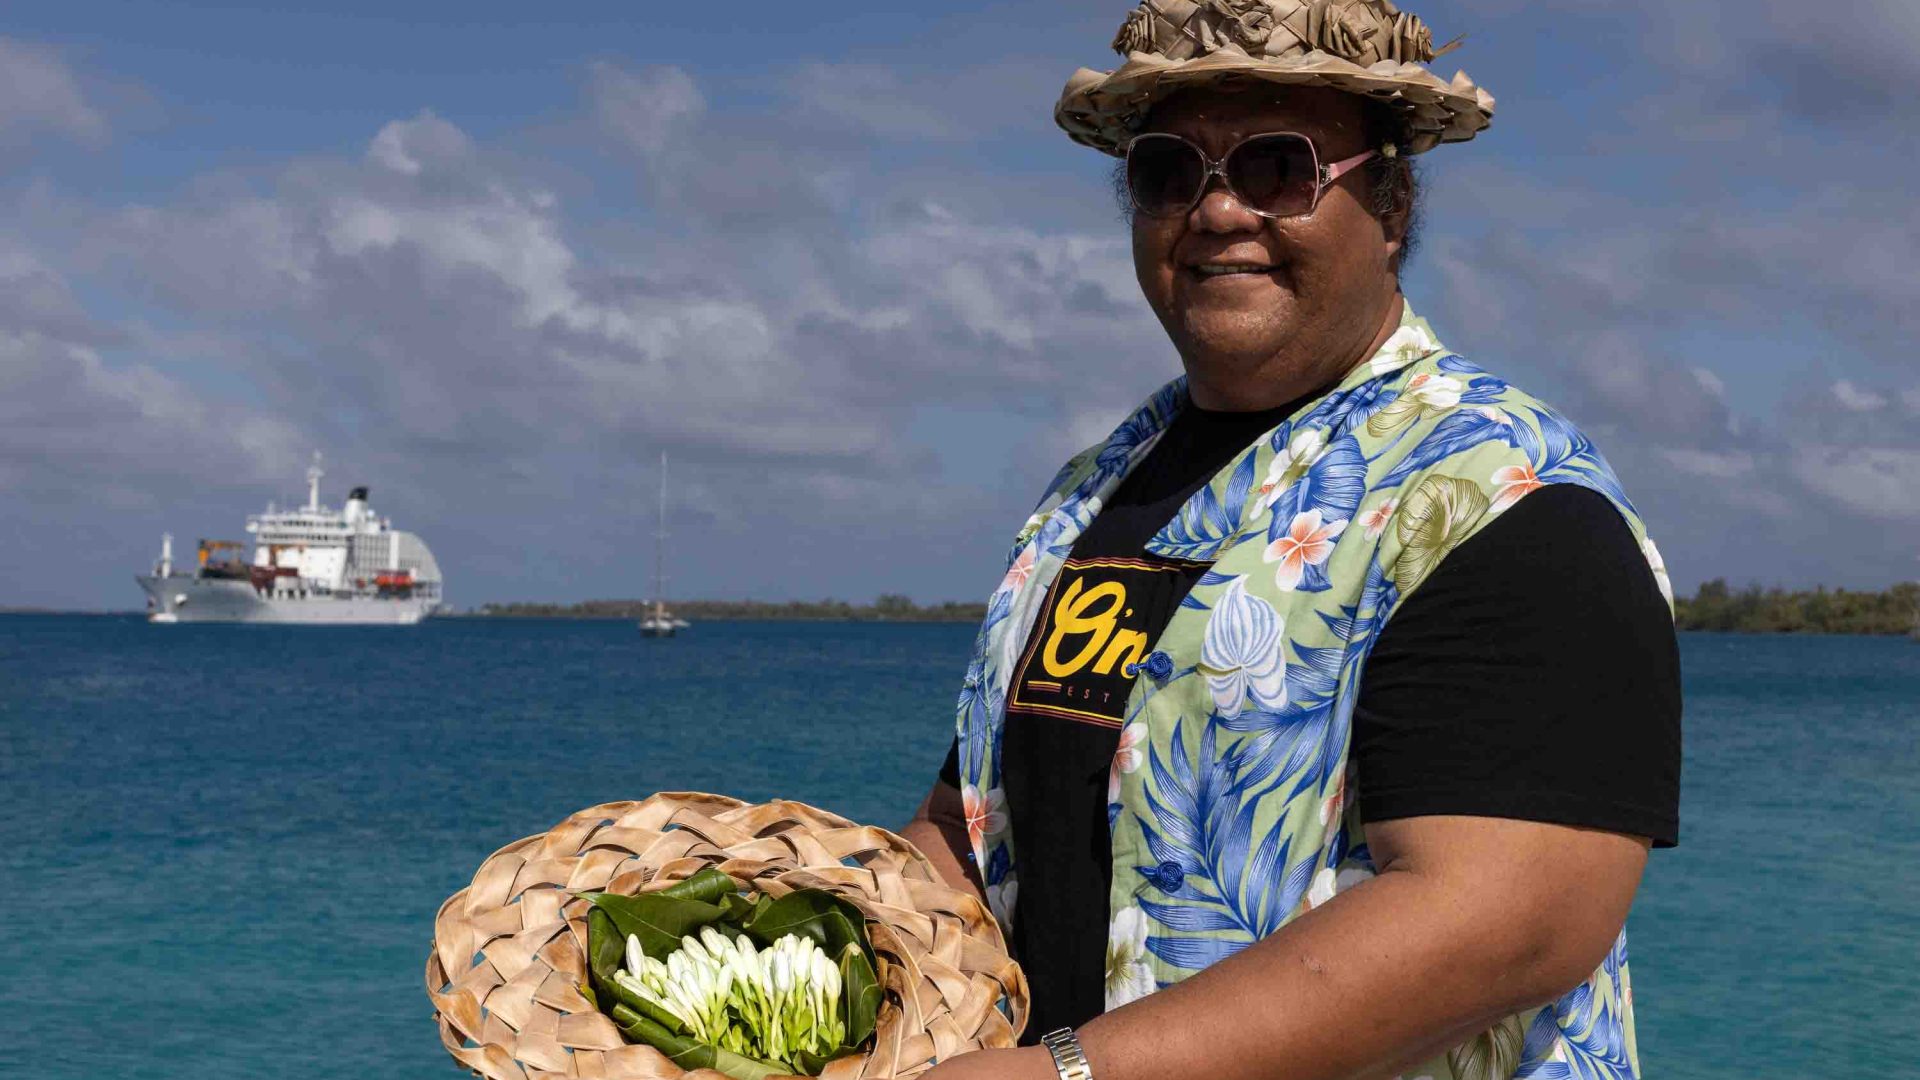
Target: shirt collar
(1412, 341)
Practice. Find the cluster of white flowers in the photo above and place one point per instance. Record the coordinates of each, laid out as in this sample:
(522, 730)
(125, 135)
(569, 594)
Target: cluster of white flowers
(773, 1005)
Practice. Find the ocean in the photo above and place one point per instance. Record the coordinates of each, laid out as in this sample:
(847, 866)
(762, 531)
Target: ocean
(221, 848)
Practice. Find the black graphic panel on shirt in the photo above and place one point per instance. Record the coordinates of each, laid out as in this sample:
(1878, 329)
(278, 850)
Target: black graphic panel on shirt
(1101, 618)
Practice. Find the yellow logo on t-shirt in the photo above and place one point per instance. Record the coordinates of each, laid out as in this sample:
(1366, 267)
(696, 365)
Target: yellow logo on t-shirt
(1100, 620)
(1079, 619)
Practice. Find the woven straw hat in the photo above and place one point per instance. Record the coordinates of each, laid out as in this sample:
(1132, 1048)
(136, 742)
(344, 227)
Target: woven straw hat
(1366, 47)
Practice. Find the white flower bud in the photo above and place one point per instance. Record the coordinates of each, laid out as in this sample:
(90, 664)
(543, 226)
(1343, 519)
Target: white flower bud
(657, 974)
(746, 968)
(636, 956)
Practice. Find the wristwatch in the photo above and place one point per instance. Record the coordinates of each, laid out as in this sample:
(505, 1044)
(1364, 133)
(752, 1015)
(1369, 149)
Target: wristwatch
(1067, 1055)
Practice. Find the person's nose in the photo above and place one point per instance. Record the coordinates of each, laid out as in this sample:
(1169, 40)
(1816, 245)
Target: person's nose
(1219, 211)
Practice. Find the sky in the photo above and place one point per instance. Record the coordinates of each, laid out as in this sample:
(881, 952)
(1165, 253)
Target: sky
(836, 262)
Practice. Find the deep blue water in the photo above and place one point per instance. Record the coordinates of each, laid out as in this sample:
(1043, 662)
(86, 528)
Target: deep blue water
(221, 848)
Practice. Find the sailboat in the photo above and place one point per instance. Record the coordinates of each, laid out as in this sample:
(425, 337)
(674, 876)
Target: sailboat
(660, 622)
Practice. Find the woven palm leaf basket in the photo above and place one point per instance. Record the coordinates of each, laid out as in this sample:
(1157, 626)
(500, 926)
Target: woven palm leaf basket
(509, 957)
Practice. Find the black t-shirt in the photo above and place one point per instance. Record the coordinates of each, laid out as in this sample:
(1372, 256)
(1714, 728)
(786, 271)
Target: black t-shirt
(1534, 675)
(1066, 697)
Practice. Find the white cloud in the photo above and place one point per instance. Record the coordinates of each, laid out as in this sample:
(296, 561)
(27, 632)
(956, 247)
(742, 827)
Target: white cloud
(39, 93)
(233, 253)
(409, 146)
(1878, 483)
(35, 299)
(644, 108)
(1856, 399)
(69, 419)
(474, 325)
(1714, 464)
(439, 321)
(871, 98)
(502, 236)
(1711, 383)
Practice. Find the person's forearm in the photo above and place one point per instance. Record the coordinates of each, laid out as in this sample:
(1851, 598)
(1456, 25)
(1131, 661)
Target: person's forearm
(942, 837)
(1385, 976)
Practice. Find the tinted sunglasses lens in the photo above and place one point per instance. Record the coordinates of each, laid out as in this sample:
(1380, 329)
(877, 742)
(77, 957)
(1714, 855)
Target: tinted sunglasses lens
(1163, 175)
(1275, 174)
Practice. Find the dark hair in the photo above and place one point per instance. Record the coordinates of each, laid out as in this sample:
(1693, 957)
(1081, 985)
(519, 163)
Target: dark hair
(1393, 178)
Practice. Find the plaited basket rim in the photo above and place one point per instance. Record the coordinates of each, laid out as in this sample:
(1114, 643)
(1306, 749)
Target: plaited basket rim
(513, 1011)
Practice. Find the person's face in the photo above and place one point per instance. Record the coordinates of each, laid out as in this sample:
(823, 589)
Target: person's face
(1306, 296)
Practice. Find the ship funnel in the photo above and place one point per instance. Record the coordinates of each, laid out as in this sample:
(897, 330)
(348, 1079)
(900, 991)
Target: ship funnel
(356, 508)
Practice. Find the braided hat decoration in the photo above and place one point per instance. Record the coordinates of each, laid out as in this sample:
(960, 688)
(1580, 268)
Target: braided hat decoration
(1365, 47)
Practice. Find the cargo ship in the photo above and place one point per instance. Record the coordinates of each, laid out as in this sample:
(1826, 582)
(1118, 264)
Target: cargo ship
(315, 564)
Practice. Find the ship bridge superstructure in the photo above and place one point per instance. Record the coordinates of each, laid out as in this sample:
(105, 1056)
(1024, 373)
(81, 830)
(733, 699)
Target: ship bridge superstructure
(316, 550)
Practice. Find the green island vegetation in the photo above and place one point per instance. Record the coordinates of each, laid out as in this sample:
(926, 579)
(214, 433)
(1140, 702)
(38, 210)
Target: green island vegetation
(888, 608)
(1715, 607)
(1755, 610)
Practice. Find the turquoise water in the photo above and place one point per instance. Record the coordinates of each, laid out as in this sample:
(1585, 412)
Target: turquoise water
(221, 848)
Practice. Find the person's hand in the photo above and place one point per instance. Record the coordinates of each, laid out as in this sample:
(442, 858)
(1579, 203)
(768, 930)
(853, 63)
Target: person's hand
(1026, 1063)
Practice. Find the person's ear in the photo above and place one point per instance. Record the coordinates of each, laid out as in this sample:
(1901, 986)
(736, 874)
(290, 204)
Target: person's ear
(1396, 212)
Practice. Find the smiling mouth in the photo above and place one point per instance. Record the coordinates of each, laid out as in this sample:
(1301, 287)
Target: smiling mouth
(1219, 270)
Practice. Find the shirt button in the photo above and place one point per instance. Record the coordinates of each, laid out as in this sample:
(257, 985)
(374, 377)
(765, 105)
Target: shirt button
(1158, 666)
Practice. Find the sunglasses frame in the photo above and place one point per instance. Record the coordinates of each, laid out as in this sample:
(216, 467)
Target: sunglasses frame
(1327, 174)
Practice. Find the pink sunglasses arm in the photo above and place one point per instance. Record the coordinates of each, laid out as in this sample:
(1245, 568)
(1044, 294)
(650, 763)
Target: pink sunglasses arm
(1341, 168)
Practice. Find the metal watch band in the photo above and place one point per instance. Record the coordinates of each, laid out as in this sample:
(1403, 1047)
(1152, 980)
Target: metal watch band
(1064, 1045)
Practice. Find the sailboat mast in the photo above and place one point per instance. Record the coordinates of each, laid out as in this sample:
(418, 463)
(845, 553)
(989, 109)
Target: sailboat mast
(660, 548)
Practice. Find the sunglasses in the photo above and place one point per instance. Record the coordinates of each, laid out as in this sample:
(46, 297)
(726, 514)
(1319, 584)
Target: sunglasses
(1275, 175)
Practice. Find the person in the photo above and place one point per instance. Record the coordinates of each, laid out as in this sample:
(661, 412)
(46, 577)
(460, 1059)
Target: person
(1328, 709)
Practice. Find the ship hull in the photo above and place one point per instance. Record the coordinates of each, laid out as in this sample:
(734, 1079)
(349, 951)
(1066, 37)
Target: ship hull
(184, 599)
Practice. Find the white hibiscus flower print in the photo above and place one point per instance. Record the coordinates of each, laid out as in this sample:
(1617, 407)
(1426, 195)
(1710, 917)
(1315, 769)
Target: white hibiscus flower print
(1435, 392)
(1241, 654)
(1328, 884)
(1289, 465)
(1127, 759)
(1129, 976)
(1407, 345)
(1000, 900)
(1659, 565)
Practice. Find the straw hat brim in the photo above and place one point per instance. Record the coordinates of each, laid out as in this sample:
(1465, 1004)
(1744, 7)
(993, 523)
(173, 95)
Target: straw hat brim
(1103, 109)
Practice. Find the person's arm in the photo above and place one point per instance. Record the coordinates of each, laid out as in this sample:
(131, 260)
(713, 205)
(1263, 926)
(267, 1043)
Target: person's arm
(939, 830)
(1469, 920)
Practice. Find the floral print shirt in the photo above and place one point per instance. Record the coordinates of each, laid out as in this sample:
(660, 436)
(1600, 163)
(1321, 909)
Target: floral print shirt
(1231, 805)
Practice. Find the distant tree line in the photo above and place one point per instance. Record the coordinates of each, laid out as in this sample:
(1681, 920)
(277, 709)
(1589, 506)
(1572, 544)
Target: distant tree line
(891, 607)
(1777, 611)
(1716, 606)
